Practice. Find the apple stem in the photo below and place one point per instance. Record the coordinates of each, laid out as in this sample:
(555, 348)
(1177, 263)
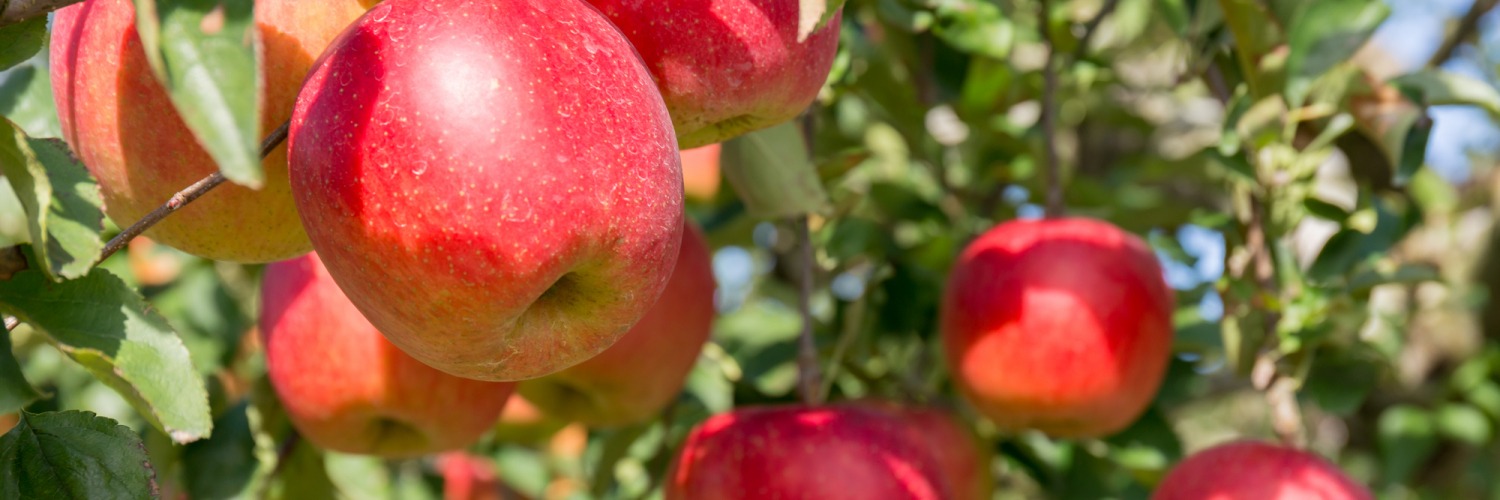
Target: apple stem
(810, 380)
(1052, 173)
(184, 197)
(16, 11)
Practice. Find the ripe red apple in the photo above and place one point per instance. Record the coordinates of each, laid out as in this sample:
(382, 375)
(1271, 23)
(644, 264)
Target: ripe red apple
(830, 452)
(121, 124)
(495, 183)
(346, 388)
(1060, 325)
(471, 477)
(1262, 471)
(644, 371)
(700, 173)
(727, 67)
(962, 459)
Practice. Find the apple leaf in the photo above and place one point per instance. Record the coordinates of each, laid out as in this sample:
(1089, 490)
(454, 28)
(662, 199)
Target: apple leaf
(20, 41)
(772, 173)
(26, 99)
(224, 465)
(73, 454)
(13, 228)
(15, 391)
(813, 14)
(1437, 87)
(61, 200)
(203, 52)
(109, 329)
(1329, 32)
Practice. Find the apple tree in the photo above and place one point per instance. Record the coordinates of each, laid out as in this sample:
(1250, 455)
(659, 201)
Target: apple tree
(922, 249)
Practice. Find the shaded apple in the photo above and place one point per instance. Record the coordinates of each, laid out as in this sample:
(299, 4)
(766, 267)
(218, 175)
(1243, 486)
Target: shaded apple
(831, 452)
(963, 460)
(346, 388)
(727, 67)
(502, 200)
(1260, 471)
(1059, 325)
(120, 122)
(642, 373)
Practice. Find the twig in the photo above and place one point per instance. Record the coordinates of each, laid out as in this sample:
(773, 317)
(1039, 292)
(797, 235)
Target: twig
(1467, 26)
(810, 381)
(16, 11)
(11, 322)
(1053, 175)
(284, 452)
(1093, 27)
(184, 197)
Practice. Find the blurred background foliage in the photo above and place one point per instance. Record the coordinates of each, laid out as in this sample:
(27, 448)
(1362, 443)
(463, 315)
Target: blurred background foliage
(1323, 206)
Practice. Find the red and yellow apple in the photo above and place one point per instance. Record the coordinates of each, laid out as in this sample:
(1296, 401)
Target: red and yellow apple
(122, 125)
(727, 67)
(1262, 471)
(495, 184)
(832, 452)
(644, 371)
(1059, 325)
(346, 388)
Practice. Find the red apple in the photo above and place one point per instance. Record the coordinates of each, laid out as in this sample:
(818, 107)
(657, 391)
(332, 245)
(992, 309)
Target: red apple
(1060, 325)
(1260, 471)
(962, 459)
(700, 173)
(644, 371)
(831, 452)
(727, 67)
(495, 183)
(471, 477)
(346, 388)
(121, 124)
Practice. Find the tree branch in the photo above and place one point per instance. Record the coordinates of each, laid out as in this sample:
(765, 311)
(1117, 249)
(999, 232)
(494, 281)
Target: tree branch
(1093, 27)
(1468, 25)
(16, 11)
(809, 378)
(1052, 173)
(184, 197)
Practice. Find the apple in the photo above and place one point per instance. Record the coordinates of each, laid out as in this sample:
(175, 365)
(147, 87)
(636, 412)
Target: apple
(642, 373)
(963, 459)
(120, 122)
(471, 477)
(522, 423)
(495, 184)
(700, 173)
(346, 388)
(1263, 471)
(1059, 325)
(727, 67)
(829, 452)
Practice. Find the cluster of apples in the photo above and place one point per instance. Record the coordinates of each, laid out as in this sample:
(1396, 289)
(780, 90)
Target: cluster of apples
(495, 194)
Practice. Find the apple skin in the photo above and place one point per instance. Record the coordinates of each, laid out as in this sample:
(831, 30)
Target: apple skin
(1262, 471)
(700, 173)
(1058, 325)
(120, 122)
(516, 215)
(633, 380)
(727, 67)
(963, 459)
(346, 388)
(828, 452)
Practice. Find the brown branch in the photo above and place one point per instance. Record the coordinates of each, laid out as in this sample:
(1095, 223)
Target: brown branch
(11, 323)
(1052, 172)
(809, 380)
(184, 197)
(1093, 27)
(16, 11)
(1468, 25)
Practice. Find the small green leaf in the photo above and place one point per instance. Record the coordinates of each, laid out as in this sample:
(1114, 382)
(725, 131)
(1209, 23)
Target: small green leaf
(61, 200)
(26, 99)
(813, 14)
(1413, 149)
(15, 391)
(13, 227)
(1406, 437)
(1325, 210)
(21, 41)
(207, 62)
(1464, 423)
(73, 454)
(1327, 33)
(1436, 87)
(772, 174)
(222, 466)
(110, 330)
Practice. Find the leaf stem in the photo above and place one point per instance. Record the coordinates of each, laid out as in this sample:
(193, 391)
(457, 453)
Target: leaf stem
(184, 197)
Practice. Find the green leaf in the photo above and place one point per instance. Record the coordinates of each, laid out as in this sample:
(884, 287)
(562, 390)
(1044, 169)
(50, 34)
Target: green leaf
(15, 391)
(772, 174)
(1464, 423)
(73, 454)
(110, 330)
(222, 466)
(1327, 33)
(21, 41)
(358, 476)
(26, 99)
(202, 52)
(813, 14)
(1406, 438)
(61, 200)
(1436, 87)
